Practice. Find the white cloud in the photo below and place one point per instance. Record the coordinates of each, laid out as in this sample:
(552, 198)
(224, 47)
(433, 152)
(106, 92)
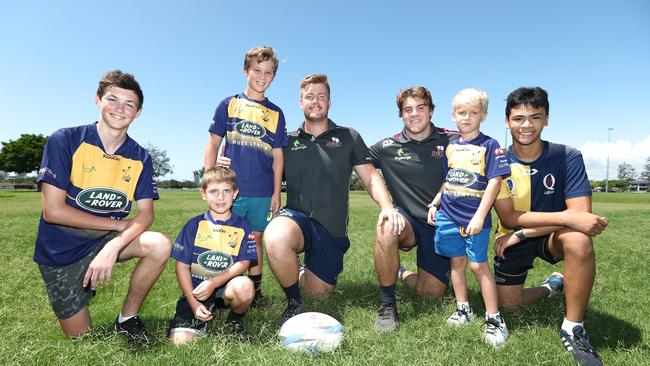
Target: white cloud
(620, 151)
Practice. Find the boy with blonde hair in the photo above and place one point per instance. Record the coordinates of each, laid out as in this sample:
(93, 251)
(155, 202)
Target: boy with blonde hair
(212, 252)
(255, 132)
(474, 167)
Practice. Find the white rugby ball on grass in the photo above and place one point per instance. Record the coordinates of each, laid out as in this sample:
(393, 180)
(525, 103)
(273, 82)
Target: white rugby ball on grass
(311, 332)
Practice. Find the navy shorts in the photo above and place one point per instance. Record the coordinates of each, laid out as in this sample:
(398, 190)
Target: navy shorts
(184, 320)
(519, 259)
(323, 253)
(427, 258)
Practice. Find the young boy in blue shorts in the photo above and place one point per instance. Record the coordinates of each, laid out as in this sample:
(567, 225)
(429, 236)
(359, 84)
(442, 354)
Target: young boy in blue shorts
(212, 251)
(474, 167)
(255, 132)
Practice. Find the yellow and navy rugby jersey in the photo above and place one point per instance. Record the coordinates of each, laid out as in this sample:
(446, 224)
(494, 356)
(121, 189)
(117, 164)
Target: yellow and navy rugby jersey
(468, 166)
(98, 183)
(252, 129)
(211, 246)
(545, 184)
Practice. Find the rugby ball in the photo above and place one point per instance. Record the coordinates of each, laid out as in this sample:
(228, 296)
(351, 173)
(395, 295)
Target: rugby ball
(311, 332)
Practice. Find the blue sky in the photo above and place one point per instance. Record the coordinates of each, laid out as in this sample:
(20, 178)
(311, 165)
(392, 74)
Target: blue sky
(592, 57)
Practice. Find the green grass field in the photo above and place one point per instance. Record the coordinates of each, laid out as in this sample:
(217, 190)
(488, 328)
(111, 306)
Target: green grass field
(618, 318)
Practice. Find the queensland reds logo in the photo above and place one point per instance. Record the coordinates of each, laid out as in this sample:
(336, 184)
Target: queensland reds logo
(549, 183)
(437, 153)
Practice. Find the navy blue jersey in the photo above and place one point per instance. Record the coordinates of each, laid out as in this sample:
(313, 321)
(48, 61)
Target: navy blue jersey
(211, 246)
(251, 130)
(98, 183)
(545, 184)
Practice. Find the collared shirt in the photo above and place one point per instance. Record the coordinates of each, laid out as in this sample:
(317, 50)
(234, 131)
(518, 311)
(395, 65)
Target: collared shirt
(412, 169)
(318, 170)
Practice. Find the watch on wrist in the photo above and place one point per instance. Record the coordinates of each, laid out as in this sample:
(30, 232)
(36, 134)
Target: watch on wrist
(520, 234)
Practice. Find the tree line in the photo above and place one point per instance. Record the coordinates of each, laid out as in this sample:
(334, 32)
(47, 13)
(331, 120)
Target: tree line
(23, 156)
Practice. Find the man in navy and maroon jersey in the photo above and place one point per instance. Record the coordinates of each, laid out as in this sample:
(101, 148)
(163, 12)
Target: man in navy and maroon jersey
(411, 163)
(547, 201)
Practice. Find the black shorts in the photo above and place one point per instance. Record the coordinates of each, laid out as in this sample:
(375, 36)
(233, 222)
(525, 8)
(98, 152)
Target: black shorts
(184, 320)
(323, 253)
(519, 259)
(427, 258)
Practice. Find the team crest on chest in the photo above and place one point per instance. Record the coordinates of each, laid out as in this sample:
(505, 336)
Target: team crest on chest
(438, 151)
(333, 143)
(549, 183)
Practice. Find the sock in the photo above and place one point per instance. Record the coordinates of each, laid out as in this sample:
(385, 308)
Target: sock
(257, 281)
(387, 294)
(400, 273)
(568, 325)
(496, 316)
(293, 292)
(463, 305)
(121, 318)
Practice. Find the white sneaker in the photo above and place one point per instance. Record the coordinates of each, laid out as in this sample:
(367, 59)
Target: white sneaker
(461, 316)
(495, 331)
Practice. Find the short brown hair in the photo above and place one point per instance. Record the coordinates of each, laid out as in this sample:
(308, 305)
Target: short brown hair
(122, 80)
(219, 174)
(261, 54)
(315, 79)
(414, 92)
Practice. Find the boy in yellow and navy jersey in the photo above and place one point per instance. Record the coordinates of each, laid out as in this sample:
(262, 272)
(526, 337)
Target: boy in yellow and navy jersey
(254, 132)
(89, 177)
(474, 166)
(212, 251)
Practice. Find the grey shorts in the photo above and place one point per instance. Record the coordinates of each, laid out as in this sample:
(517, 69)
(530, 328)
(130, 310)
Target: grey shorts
(64, 285)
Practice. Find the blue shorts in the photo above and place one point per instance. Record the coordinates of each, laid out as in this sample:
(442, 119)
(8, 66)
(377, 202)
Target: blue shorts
(450, 243)
(519, 259)
(323, 253)
(254, 209)
(427, 259)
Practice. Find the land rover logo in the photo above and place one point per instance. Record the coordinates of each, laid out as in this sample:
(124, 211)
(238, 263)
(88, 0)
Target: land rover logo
(250, 128)
(102, 199)
(461, 177)
(214, 261)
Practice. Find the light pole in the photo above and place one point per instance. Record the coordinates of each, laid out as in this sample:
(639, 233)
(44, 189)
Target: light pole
(609, 133)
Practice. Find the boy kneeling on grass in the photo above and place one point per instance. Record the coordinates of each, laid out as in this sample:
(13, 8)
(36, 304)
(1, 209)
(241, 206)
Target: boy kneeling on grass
(212, 252)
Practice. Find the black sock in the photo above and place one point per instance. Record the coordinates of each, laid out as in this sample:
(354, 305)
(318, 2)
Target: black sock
(293, 292)
(388, 294)
(257, 281)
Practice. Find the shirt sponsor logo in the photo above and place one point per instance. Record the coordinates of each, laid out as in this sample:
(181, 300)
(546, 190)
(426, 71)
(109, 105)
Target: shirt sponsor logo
(102, 199)
(112, 157)
(530, 171)
(499, 151)
(461, 177)
(386, 142)
(333, 143)
(549, 183)
(214, 261)
(250, 128)
(296, 145)
(401, 155)
(47, 171)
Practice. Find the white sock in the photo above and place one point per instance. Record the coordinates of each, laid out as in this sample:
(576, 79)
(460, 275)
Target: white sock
(496, 316)
(568, 325)
(121, 318)
(464, 305)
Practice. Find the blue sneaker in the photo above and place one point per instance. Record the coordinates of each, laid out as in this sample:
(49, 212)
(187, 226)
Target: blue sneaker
(554, 283)
(578, 345)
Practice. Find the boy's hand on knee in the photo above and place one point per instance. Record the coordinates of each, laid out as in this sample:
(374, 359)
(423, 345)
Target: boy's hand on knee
(100, 269)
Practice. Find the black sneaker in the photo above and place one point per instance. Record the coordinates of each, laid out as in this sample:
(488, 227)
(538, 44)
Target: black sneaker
(580, 348)
(294, 307)
(134, 330)
(387, 319)
(258, 300)
(237, 330)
